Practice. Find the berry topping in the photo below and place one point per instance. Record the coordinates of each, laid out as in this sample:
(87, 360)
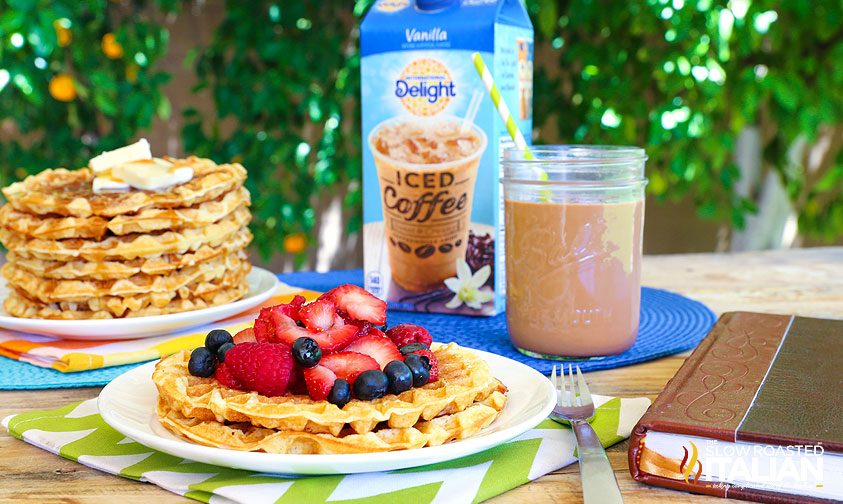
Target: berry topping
(216, 338)
(263, 331)
(412, 347)
(202, 362)
(377, 347)
(432, 363)
(265, 368)
(370, 385)
(306, 352)
(223, 349)
(338, 336)
(245, 336)
(223, 375)
(399, 375)
(404, 334)
(320, 380)
(348, 365)
(420, 368)
(358, 303)
(318, 315)
(340, 393)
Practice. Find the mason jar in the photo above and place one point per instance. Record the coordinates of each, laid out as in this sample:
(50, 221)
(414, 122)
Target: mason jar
(574, 220)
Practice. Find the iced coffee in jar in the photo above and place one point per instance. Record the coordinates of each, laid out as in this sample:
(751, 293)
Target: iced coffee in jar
(574, 218)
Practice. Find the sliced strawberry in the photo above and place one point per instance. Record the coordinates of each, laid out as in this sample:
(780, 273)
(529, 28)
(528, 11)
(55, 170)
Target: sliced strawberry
(380, 348)
(318, 315)
(287, 331)
(348, 365)
(405, 334)
(245, 336)
(319, 380)
(263, 331)
(358, 303)
(434, 363)
(375, 331)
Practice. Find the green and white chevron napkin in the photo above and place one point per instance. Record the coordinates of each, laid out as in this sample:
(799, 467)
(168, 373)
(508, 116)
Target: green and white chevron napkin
(77, 432)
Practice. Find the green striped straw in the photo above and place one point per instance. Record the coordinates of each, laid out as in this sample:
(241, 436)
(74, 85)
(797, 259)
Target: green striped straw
(503, 110)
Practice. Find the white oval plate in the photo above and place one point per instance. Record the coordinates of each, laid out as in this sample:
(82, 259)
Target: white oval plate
(128, 405)
(262, 285)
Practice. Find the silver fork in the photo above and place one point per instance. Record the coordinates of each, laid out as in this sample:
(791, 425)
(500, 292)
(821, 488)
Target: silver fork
(575, 407)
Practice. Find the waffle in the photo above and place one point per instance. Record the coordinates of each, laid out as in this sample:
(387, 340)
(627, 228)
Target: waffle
(114, 270)
(69, 192)
(247, 437)
(130, 246)
(145, 221)
(53, 291)
(18, 305)
(464, 378)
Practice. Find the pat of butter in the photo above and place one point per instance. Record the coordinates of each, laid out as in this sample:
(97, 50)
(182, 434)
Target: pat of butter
(108, 185)
(152, 174)
(109, 159)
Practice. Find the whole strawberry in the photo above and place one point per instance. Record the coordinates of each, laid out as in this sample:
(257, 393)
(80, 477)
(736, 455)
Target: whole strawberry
(405, 334)
(266, 368)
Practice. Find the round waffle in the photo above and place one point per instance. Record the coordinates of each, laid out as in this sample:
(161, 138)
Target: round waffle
(247, 437)
(145, 221)
(115, 270)
(463, 379)
(18, 305)
(54, 291)
(70, 192)
(229, 287)
(129, 246)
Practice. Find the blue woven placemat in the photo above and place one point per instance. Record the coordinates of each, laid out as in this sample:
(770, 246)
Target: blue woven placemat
(670, 324)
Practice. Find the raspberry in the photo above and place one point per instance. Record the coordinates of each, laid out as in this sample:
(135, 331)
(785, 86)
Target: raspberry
(266, 368)
(434, 363)
(404, 334)
(223, 375)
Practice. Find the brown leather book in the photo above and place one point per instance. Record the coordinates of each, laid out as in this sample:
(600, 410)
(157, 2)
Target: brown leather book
(755, 413)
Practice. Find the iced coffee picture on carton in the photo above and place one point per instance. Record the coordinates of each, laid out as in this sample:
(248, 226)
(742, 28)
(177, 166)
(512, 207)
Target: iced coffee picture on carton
(432, 137)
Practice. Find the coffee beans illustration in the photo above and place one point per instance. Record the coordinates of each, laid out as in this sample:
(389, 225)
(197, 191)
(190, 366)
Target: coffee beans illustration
(445, 248)
(425, 250)
(404, 247)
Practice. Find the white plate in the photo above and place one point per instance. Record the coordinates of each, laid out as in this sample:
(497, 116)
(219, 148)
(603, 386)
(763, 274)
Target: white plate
(261, 282)
(128, 405)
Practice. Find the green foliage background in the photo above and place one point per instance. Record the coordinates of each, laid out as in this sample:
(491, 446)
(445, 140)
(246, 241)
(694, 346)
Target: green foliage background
(680, 77)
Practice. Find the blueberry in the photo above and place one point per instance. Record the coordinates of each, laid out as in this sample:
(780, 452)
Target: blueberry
(420, 367)
(300, 323)
(217, 338)
(412, 347)
(222, 350)
(202, 362)
(371, 384)
(306, 352)
(340, 393)
(399, 375)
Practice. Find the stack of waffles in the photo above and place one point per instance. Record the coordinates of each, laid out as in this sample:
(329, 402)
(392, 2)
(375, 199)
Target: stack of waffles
(465, 399)
(74, 253)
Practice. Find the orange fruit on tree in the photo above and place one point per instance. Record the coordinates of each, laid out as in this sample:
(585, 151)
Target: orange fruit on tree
(295, 243)
(132, 72)
(63, 35)
(110, 47)
(62, 88)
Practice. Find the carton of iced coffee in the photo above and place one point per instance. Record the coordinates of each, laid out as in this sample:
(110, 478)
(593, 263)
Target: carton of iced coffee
(432, 139)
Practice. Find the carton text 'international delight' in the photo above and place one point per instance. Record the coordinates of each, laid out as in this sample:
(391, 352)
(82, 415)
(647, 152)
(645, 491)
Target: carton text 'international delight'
(431, 143)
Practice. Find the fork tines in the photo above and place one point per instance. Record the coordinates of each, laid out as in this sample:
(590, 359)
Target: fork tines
(572, 393)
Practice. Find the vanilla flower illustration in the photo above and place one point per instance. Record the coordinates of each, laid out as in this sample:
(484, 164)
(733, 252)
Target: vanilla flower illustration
(466, 286)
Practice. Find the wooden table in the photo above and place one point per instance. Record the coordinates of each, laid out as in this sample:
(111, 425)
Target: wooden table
(804, 282)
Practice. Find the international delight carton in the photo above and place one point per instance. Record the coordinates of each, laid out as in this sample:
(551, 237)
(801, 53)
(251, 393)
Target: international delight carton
(432, 139)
